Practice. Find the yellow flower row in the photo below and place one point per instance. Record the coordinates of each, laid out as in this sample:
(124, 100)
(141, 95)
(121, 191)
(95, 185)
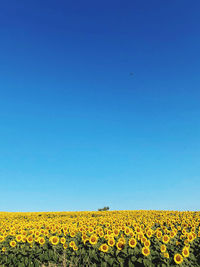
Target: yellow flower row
(115, 229)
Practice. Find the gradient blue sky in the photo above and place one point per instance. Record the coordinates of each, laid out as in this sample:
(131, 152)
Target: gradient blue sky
(77, 131)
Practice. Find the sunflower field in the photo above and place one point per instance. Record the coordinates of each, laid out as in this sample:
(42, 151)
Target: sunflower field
(102, 238)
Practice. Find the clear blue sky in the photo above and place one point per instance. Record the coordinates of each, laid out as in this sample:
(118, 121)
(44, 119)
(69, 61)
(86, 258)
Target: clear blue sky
(77, 131)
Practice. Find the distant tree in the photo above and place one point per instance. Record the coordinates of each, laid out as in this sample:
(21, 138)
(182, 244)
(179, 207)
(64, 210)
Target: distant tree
(104, 209)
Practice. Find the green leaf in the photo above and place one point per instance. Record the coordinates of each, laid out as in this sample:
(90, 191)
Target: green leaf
(36, 264)
(51, 254)
(55, 258)
(146, 262)
(103, 264)
(30, 264)
(94, 255)
(133, 259)
(120, 260)
(140, 260)
(130, 251)
(26, 261)
(130, 263)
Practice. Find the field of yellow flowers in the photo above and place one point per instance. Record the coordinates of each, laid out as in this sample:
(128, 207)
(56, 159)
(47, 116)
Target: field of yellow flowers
(110, 238)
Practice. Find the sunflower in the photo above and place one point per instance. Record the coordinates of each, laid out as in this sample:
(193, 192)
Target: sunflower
(93, 239)
(104, 248)
(163, 248)
(185, 252)
(132, 242)
(143, 239)
(140, 236)
(120, 245)
(75, 248)
(13, 243)
(172, 234)
(159, 234)
(30, 239)
(106, 237)
(127, 231)
(111, 242)
(23, 232)
(18, 238)
(145, 251)
(166, 255)
(165, 239)
(137, 230)
(37, 233)
(149, 233)
(62, 240)
(3, 249)
(41, 240)
(122, 239)
(59, 232)
(109, 232)
(91, 230)
(2, 238)
(54, 240)
(190, 237)
(194, 235)
(116, 232)
(24, 239)
(53, 230)
(147, 243)
(72, 234)
(72, 244)
(84, 237)
(46, 232)
(132, 234)
(65, 246)
(101, 233)
(178, 258)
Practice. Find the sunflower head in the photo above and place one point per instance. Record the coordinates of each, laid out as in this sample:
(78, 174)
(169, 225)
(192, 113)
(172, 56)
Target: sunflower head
(54, 240)
(111, 242)
(3, 249)
(104, 248)
(145, 251)
(166, 255)
(185, 252)
(165, 239)
(132, 242)
(65, 246)
(13, 243)
(163, 248)
(41, 241)
(120, 245)
(178, 258)
(62, 240)
(93, 239)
